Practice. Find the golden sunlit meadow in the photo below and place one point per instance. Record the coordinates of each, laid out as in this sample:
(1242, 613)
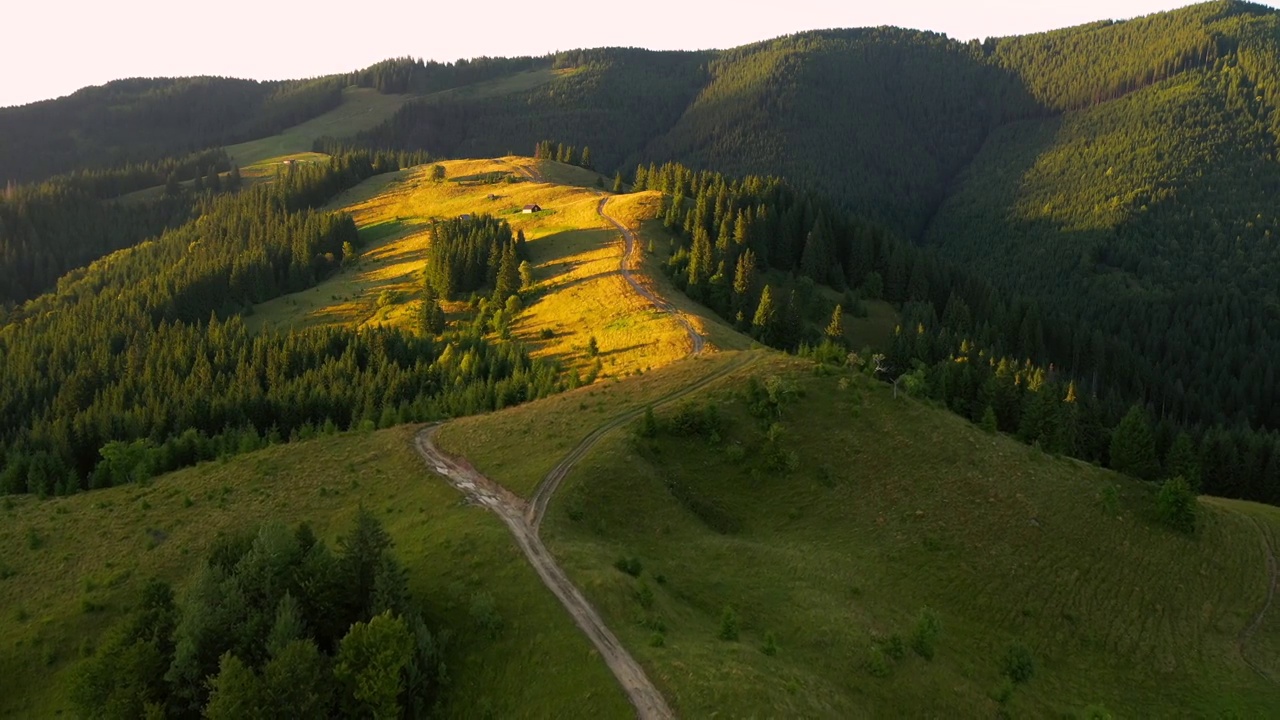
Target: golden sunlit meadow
(578, 292)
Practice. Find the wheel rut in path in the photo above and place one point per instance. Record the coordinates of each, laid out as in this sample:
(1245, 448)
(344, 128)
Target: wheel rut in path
(524, 519)
(1256, 622)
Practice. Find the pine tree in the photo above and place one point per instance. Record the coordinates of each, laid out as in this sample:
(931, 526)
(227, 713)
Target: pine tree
(617, 182)
(641, 179)
(171, 186)
(1133, 447)
(234, 181)
(586, 157)
(765, 323)
(988, 423)
(1181, 461)
(744, 281)
(700, 258)
(508, 281)
(835, 330)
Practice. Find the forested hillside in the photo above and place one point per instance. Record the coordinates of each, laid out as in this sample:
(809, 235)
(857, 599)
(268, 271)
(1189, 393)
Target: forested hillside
(1119, 174)
(143, 119)
(142, 364)
(1099, 196)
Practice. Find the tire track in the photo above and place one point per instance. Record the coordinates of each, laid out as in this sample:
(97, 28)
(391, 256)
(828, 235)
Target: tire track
(1252, 628)
(524, 519)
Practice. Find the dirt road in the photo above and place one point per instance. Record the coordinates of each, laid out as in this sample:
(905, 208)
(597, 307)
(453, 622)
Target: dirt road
(646, 698)
(524, 519)
(630, 244)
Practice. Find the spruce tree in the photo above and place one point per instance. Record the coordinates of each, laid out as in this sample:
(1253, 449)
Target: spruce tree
(835, 330)
(508, 281)
(765, 323)
(641, 179)
(617, 182)
(1133, 447)
(1181, 461)
(744, 280)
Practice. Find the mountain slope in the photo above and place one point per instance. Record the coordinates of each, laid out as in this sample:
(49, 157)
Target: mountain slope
(73, 567)
(829, 545)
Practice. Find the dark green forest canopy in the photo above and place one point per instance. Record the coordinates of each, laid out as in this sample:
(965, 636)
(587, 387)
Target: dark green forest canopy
(1120, 174)
(1100, 196)
(127, 371)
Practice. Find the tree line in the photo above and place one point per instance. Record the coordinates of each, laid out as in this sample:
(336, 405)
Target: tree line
(754, 248)
(127, 370)
(275, 624)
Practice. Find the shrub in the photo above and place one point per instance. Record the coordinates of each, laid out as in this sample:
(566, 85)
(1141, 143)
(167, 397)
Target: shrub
(657, 640)
(649, 426)
(729, 625)
(644, 595)
(629, 565)
(770, 646)
(895, 647)
(1176, 505)
(928, 627)
(1019, 664)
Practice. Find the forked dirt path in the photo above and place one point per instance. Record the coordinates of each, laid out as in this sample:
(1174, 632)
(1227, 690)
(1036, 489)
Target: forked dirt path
(524, 519)
(1252, 628)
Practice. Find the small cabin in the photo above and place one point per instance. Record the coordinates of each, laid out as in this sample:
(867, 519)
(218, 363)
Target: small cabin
(465, 216)
(532, 208)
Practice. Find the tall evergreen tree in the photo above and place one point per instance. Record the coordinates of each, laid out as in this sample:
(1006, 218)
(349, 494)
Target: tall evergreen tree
(835, 329)
(1133, 446)
(764, 324)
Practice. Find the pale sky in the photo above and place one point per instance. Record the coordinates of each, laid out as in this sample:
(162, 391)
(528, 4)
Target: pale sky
(54, 47)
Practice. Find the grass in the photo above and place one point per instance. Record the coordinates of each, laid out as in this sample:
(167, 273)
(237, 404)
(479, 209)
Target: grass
(361, 109)
(95, 551)
(892, 507)
(578, 293)
(520, 445)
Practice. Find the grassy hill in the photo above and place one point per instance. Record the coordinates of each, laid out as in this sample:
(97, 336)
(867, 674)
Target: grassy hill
(833, 539)
(72, 567)
(575, 254)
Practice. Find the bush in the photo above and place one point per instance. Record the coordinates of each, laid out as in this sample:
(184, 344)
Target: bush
(928, 627)
(1176, 505)
(657, 640)
(649, 426)
(895, 648)
(1019, 664)
(630, 566)
(729, 625)
(644, 595)
(770, 646)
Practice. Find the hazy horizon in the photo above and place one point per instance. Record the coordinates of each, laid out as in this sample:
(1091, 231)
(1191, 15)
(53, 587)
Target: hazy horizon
(149, 38)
